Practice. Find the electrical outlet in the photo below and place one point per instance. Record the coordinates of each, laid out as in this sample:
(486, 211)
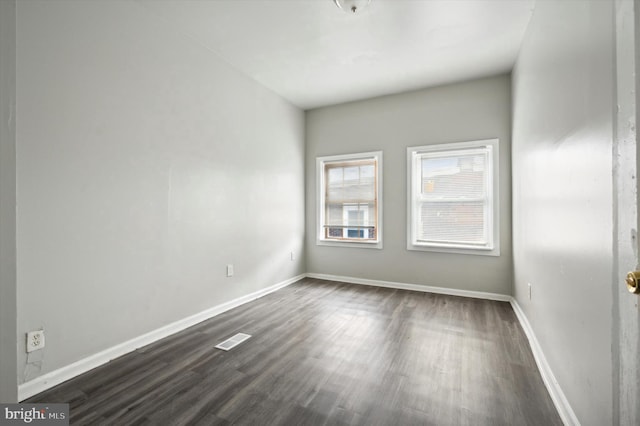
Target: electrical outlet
(229, 270)
(292, 257)
(529, 285)
(35, 340)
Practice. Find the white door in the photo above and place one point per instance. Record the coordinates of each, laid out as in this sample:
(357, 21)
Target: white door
(626, 320)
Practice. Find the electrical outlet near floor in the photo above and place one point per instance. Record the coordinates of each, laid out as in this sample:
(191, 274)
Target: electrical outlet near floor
(292, 256)
(35, 340)
(229, 270)
(529, 289)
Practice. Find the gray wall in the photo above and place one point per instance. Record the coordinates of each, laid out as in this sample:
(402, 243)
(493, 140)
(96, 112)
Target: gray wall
(8, 389)
(145, 165)
(562, 207)
(473, 110)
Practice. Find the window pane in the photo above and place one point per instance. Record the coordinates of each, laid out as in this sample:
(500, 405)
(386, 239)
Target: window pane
(355, 233)
(456, 176)
(355, 218)
(335, 176)
(347, 184)
(350, 205)
(334, 214)
(334, 232)
(351, 193)
(452, 222)
(367, 172)
(453, 199)
(351, 175)
(339, 214)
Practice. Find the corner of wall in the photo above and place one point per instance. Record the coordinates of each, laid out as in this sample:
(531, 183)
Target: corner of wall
(8, 283)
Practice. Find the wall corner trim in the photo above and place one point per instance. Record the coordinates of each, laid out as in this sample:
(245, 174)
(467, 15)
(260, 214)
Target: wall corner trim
(53, 378)
(558, 397)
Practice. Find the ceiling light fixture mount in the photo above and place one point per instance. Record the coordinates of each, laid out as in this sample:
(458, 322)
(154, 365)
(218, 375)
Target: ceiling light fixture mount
(352, 6)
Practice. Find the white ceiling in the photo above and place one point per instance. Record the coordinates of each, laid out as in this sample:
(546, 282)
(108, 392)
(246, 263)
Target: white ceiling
(313, 54)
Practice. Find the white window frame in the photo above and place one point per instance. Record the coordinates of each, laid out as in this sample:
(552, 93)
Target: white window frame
(492, 219)
(320, 200)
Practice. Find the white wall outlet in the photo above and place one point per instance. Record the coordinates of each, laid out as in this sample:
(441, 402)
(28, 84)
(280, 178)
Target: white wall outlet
(35, 340)
(292, 257)
(529, 289)
(229, 270)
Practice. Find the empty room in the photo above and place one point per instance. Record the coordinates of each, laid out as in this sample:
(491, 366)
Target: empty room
(319, 212)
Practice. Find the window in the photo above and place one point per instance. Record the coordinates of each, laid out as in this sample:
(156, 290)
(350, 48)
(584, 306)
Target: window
(349, 200)
(453, 198)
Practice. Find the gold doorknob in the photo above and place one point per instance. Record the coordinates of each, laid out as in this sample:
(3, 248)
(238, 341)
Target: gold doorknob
(633, 282)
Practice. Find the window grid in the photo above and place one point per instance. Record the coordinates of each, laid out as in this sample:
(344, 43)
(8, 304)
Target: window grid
(349, 201)
(451, 200)
(351, 229)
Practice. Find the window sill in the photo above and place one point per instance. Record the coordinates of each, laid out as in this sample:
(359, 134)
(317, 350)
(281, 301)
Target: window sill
(366, 245)
(477, 251)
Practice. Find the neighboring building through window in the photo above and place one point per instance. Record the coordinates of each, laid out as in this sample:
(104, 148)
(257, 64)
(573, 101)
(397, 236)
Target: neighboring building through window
(453, 198)
(349, 200)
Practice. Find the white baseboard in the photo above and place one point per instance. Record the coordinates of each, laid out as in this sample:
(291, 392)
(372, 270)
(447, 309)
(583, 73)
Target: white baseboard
(413, 287)
(558, 397)
(46, 381)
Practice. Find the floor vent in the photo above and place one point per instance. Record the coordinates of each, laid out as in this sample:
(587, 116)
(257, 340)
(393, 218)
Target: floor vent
(232, 341)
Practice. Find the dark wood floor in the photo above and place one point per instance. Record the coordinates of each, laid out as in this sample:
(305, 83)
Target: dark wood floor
(326, 353)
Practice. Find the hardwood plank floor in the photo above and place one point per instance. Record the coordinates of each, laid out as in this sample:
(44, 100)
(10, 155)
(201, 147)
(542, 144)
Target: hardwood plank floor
(326, 353)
